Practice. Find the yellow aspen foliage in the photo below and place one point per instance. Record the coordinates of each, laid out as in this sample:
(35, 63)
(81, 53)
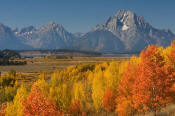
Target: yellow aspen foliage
(111, 76)
(43, 85)
(65, 97)
(168, 54)
(167, 50)
(134, 60)
(42, 75)
(100, 67)
(159, 56)
(70, 68)
(79, 91)
(15, 108)
(61, 95)
(82, 93)
(19, 75)
(90, 78)
(104, 65)
(98, 90)
(122, 67)
(55, 79)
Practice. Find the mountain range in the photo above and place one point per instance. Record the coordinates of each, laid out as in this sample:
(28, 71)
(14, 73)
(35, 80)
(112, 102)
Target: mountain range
(125, 31)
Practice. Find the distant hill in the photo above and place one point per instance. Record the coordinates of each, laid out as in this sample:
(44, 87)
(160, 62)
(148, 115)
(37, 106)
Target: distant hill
(57, 52)
(7, 58)
(9, 54)
(123, 32)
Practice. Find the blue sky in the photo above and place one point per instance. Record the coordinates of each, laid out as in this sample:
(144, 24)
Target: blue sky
(82, 15)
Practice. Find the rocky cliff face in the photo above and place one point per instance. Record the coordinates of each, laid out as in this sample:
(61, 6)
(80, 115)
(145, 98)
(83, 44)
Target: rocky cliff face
(134, 31)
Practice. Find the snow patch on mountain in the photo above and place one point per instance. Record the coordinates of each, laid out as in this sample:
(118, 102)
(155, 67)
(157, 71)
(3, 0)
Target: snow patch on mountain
(125, 27)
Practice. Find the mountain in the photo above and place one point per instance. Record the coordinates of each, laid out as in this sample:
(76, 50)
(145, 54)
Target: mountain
(134, 32)
(9, 54)
(8, 40)
(123, 32)
(99, 41)
(79, 34)
(49, 36)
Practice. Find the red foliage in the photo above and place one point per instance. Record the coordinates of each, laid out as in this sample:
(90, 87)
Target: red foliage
(124, 99)
(109, 100)
(75, 108)
(37, 105)
(2, 110)
(148, 86)
(152, 86)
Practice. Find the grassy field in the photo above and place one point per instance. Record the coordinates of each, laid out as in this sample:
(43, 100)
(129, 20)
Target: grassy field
(44, 64)
(35, 66)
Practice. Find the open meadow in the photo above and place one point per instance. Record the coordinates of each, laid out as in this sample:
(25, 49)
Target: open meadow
(41, 64)
(37, 65)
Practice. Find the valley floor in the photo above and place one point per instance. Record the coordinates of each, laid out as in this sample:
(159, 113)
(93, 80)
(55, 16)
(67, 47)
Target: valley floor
(44, 64)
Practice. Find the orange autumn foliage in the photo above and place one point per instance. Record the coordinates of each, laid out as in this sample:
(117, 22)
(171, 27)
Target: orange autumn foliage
(38, 105)
(109, 100)
(151, 89)
(75, 108)
(147, 86)
(2, 110)
(124, 99)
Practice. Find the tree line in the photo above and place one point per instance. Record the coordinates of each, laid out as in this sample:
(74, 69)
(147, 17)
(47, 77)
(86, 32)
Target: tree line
(7, 58)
